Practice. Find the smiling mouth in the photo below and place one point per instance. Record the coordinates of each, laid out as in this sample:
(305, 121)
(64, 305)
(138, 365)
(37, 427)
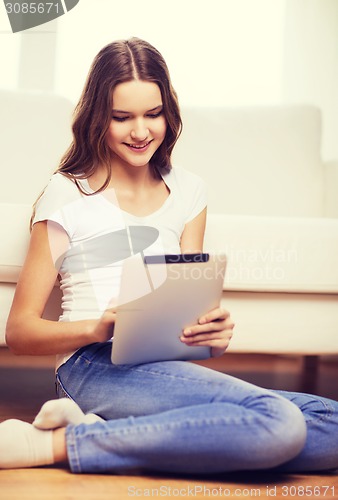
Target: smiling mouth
(138, 147)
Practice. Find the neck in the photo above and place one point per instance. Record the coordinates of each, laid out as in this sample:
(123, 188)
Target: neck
(123, 176)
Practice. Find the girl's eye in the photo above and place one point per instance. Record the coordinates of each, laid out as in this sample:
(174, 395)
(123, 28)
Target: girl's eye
(124, 118)
(119, 118)
(156, 115)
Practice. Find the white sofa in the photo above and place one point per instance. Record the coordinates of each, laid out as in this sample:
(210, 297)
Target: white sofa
(273, 206)
(35, 131)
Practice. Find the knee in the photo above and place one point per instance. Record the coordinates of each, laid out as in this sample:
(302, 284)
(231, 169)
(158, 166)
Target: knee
(285, 435)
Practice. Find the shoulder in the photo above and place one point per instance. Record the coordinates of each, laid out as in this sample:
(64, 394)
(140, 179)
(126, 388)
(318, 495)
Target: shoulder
(189, 191)
(60, 183)
(59, 193)
(184, 178)
(60, 190)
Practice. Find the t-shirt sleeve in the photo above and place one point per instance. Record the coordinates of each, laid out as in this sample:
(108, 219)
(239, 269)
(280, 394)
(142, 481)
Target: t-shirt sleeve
(197, 196)
(59, 193)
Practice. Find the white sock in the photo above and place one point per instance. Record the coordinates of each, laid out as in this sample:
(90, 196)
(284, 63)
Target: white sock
(61, 412)
(22, 445)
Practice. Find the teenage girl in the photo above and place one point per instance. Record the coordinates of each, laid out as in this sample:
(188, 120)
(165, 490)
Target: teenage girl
(172, 416)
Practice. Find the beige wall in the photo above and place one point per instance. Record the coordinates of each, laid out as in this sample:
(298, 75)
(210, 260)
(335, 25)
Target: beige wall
(220, 53)
(311, 62)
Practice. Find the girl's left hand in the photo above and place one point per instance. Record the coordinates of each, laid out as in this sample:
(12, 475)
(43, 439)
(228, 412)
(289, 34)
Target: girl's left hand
(214, 329)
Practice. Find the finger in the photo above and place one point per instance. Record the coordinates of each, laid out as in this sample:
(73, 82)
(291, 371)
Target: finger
(214, 344)
(226, 336)
(215, 315)
(214, 326)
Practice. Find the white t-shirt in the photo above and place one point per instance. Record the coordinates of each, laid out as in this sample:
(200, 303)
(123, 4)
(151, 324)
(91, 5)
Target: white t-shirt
(101, 236)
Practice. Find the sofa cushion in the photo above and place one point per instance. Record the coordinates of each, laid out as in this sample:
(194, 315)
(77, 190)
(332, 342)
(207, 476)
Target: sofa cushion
(276, 253)
(264, 253)
(35, 132)
(286, 323)
(258, 160)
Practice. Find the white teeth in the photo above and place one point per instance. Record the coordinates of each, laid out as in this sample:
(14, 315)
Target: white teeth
(138, 147)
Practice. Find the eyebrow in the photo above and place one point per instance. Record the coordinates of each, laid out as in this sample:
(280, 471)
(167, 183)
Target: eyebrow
(157, 108)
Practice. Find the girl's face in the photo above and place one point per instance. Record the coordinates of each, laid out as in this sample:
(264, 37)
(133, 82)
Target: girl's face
(138, 124)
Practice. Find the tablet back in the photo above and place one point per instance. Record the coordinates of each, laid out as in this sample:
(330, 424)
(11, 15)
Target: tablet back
(158, 300)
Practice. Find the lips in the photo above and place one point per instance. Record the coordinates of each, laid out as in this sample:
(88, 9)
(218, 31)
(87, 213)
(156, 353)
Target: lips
(138, 147)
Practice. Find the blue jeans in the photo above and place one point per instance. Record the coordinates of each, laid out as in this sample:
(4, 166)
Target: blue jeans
(177, 416)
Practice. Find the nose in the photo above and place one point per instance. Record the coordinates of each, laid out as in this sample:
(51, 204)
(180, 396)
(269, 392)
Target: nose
(139, 131)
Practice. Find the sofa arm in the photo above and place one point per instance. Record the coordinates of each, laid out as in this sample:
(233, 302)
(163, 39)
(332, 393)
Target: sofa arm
(331, 189)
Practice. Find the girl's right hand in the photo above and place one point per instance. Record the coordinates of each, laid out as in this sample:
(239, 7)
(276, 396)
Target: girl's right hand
(103, 329)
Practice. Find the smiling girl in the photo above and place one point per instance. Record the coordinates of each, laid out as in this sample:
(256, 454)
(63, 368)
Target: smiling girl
(171, 416)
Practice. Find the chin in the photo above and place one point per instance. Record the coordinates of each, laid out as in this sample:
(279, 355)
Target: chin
(139, 162)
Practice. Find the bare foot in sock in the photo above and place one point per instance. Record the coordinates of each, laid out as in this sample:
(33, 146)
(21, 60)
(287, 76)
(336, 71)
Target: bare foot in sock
(61, 412)
(22, 445)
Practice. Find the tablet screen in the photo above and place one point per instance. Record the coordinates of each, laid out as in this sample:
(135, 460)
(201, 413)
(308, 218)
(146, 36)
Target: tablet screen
(176, 258)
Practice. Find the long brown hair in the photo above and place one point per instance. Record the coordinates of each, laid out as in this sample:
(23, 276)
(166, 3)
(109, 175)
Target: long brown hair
(118, 62)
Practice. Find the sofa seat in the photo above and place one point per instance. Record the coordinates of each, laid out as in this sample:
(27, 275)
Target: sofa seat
(281, 284)
(276, 254)
(303, 324)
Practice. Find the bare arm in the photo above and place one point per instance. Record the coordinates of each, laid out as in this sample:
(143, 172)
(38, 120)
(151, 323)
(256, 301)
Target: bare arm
(26, 331)
(193, 234)
(215, 328)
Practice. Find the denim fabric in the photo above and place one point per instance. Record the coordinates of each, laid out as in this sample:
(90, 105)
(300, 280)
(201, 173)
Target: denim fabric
(177, 416)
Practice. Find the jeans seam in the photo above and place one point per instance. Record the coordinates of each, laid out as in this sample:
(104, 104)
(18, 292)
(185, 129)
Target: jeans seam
(73, 456)
(176, 377)
(191, 423)
(321, 418)
(61, 387)
(138, 369)
(317, 418)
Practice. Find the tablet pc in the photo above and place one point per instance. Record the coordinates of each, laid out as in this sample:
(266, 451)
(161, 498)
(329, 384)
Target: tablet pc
(159, 296)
